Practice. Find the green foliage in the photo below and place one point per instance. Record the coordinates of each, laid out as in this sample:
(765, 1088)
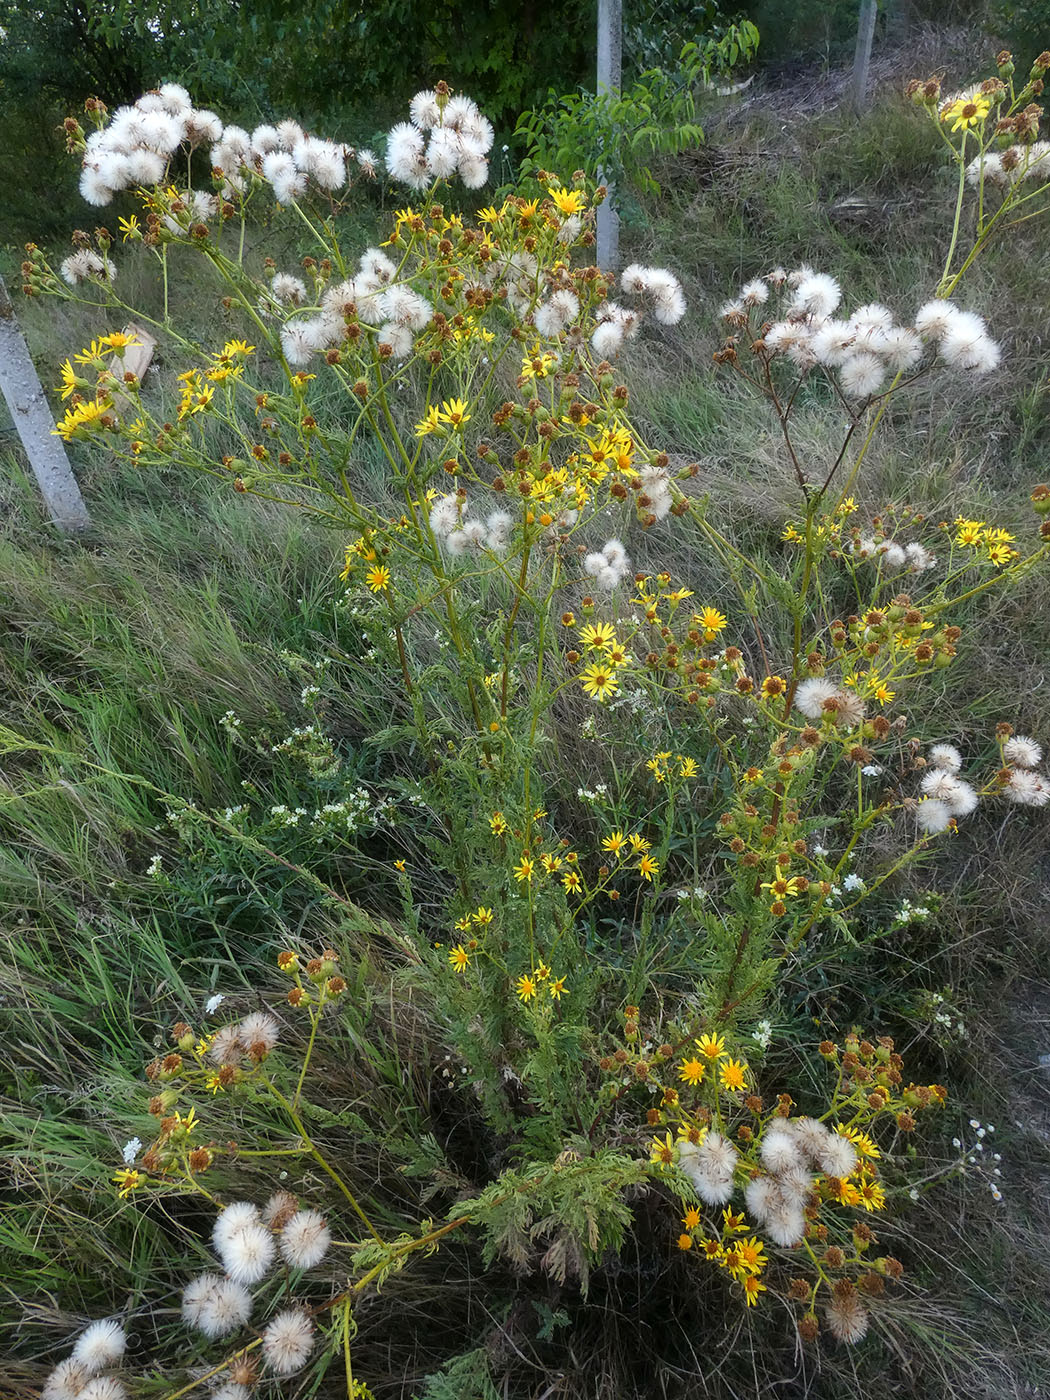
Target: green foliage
(616, 136)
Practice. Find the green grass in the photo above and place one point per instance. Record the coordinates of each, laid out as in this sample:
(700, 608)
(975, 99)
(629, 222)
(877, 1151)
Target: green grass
(124, 652)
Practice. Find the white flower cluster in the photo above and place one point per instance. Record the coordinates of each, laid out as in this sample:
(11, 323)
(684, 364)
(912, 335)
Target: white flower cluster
(987, 1163)
(599, 793)
(608, 565)
(459, 141)
(137, 143)
(98, 1349)
(821, 699)
(458, 534)
(1025, 786)
(791, 1150)
(908, 913)
(867, 348)
(661, 293)
(891, 556)
(946, 796)
(1012, 166)
(247, 1241)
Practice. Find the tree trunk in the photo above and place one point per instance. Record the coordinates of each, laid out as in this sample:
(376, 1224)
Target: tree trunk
(862, 57)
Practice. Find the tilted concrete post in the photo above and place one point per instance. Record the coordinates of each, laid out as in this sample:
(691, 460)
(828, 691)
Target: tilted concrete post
(36, 426)
(862, 54)
(610, 71)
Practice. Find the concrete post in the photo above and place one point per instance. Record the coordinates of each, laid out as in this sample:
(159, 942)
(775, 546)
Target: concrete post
(610, 70)
(35, 425)
(862, 54)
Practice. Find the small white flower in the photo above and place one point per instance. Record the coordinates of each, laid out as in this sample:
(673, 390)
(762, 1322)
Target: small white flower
(131, 1150)
(853, 882)
(213, 1003)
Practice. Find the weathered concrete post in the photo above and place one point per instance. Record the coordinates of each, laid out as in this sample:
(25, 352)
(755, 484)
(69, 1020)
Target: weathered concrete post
(610, 65)
(35, 425)
(862, 54)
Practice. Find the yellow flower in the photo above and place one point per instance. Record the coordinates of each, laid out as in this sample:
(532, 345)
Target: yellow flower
(523, 870)
(463, 923)
(712, 622)
(459, 958)
(733, 1074)
(648, 867)
(491, 214)
(864, 1144)
(568, 201)
(687, 767)
(399, 865)
(773, 685)
(571, 881)
(966, 112)
(70, 381)
(656, 766)
(557, 988)
(733, 1222)
(85, 415)
(791, 535)
(713, 1046)
(127, 1181)
(527, 208)
(872, 1196)
(662, 1150)
(117, 340)
(454, 412)
(685, 1241)
(429, 423)
(639, 844)
(968, 531)
(752, 1254)
(234, 348)
(882, 693)
(526, 987)
(599, 681)
(378, 578)
(752, 1288)
(691, 1219)
(615, 843)
(129, 228)
(692, 1071)
(483, 915)
(1001, 554)
(498, 824)
(597, 636)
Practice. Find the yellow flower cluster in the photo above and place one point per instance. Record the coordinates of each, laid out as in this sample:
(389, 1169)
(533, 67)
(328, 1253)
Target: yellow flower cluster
(996, 543)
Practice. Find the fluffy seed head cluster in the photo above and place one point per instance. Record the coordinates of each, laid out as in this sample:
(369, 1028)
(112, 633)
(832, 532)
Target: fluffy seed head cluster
(791, 1149)
(710, 1165)
(243, 1243)
(305, 1239)
(820, 699)
(288, 1341)
(608, 565)
(99, 1348)
(459, 534)
(443, 137)
(373, 297)
(892, 557)
(867, 348)
(255, 1036)
(945, 796)
(84, 266)
(846, 1316)
(660, 289)
(138, 142)
(215, 1305)
(1011, 167)
(557, 314)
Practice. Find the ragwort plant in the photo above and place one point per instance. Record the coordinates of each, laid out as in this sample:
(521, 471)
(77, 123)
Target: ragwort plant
(607, 1014)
